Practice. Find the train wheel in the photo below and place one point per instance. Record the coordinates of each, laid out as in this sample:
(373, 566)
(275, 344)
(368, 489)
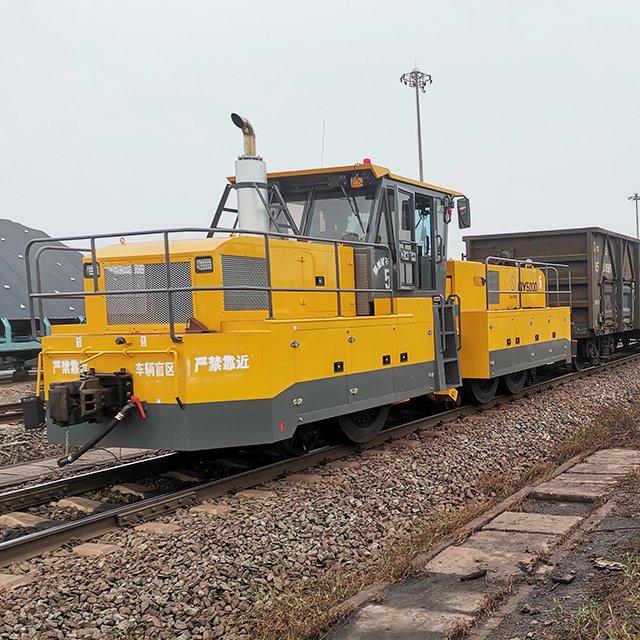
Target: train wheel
(303, 440)
(362, 426)
(514, 382)
(481, 389)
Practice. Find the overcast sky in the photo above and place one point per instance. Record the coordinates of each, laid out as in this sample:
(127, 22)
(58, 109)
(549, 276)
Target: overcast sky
(114, 115)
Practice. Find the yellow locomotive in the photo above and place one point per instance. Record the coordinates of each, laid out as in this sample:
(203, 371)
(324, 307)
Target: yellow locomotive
(330, 297)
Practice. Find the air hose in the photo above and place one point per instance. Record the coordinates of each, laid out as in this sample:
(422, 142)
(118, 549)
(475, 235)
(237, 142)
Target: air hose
(134, 404)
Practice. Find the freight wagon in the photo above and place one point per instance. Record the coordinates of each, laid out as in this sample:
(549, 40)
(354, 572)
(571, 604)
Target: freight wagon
(603, 280)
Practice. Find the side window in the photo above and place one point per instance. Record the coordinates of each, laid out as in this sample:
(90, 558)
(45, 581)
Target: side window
(423, 219)
(422, 223)
(407, 253)
(441, 233)
(405, 209)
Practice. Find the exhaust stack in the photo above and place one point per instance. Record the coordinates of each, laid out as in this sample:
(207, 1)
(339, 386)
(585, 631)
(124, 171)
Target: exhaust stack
(250, 170)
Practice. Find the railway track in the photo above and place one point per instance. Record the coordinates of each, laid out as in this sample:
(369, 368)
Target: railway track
(10, 412)
(6, 377)
(35, 542)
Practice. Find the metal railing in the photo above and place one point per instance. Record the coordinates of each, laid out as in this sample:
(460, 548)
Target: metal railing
(36, 294)
(546, 267)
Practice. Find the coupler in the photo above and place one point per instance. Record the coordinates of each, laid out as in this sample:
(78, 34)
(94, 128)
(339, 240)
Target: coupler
(134, 404)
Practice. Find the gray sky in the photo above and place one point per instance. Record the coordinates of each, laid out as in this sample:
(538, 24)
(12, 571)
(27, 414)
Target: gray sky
(114, 116)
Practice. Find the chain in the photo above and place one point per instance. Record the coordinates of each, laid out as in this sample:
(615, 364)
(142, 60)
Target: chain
(66, 443)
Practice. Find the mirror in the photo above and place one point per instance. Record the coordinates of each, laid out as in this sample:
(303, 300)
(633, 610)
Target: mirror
(464, 212)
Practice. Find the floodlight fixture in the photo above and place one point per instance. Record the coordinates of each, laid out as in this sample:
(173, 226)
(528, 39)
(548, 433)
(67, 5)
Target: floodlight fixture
(636, 197)
(418, 80)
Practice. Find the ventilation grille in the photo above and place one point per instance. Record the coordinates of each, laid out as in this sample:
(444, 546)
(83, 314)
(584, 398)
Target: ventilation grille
(243, 271)
(147, 308)
(362, 265)
(493, 285)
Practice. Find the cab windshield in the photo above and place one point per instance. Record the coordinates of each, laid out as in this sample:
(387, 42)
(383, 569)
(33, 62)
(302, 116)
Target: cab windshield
(336, 214)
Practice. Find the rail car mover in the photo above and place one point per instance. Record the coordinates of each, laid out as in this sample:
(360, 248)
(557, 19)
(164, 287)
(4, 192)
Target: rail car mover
(329, 296)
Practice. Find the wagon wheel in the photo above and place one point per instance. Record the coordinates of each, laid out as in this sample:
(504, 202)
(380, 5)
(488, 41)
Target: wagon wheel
(362, 426)
(481, 389)
(303, 440)
(514, 382)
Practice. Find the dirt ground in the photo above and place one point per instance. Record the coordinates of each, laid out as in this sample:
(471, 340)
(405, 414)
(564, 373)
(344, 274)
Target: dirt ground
(570, 596)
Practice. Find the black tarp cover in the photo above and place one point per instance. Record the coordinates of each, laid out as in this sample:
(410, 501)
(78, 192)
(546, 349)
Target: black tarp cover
(60, 271)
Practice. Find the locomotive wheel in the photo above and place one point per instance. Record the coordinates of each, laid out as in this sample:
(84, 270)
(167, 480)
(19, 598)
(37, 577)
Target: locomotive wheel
(481, 389)
(362, 426)
(514, 382)
(303, 440)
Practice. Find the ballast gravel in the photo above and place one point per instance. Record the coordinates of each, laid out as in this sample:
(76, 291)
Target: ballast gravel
(16, 444)
(209, 579)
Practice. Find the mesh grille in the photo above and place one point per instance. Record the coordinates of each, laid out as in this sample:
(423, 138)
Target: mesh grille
(493, 284)
(362, 265)
(243, 271)
(147, 308)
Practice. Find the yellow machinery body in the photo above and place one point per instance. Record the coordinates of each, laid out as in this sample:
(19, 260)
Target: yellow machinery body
(510, 327)
(346, 306)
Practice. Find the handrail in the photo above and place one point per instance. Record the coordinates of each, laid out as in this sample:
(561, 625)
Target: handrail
(167, 264)
(39, 252)
(457, 318)
(520, 264)
(39, 295)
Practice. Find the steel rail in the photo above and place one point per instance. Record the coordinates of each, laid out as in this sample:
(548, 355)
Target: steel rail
(10, 406)
(98, 524)
(10, 412)
(32, 496)
(6, 377)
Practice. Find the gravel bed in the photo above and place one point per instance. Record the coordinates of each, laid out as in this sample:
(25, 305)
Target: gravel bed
(16, 444)
(14, 391)
(208, 580)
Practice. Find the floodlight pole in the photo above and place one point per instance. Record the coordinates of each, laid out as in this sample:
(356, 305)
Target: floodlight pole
(636, 197)
(419, 80)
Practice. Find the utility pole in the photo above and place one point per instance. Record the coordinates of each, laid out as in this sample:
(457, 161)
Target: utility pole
(636, 197)
(419, 80)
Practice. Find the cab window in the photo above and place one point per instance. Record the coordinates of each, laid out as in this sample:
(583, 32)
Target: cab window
(422, 223)
(341, 215)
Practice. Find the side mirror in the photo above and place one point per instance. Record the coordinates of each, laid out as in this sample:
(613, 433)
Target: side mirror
(464, 212)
